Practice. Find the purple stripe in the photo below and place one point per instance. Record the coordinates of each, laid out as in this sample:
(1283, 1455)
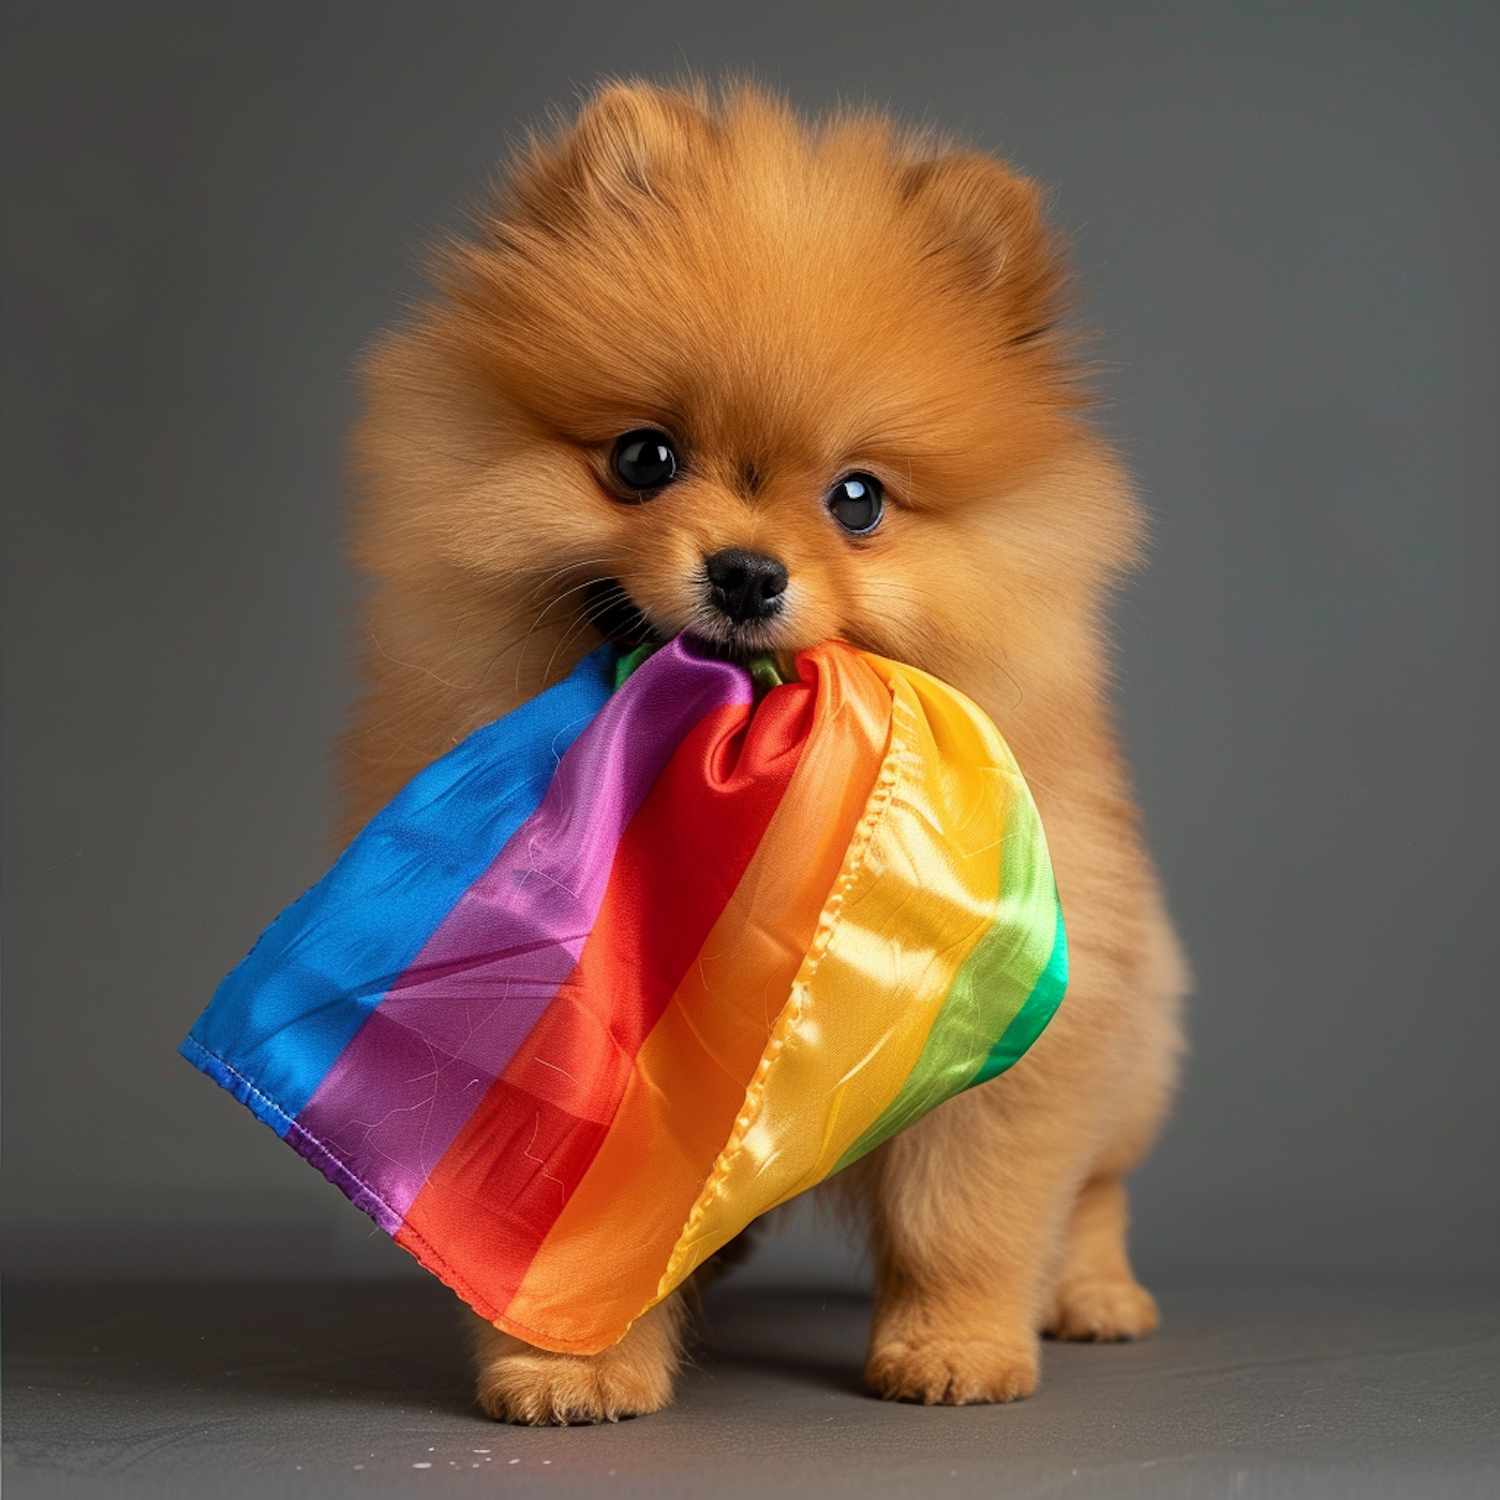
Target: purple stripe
(338, 1172)
(426, 1055)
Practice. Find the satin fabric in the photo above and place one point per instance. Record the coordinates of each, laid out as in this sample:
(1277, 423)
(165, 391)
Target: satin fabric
(633, 965)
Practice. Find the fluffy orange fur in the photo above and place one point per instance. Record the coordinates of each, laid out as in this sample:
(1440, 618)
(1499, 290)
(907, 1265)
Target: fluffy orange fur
(792, 301)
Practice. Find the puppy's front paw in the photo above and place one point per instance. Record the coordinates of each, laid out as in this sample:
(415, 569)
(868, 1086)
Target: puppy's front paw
(545, 1389)
(1104, 1311)
(951, 1372)
(520, 1383)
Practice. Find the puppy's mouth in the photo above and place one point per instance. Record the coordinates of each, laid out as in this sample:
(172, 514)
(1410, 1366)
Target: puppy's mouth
(617, 617)
(733, 641)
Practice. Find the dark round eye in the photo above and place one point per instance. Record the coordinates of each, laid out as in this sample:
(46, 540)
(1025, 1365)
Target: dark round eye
(857, 502)
(644, 460)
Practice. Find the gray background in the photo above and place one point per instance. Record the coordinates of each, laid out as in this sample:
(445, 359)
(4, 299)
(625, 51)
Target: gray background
(1285, 219)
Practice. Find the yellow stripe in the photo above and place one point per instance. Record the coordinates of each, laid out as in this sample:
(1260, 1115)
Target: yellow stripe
(916, 894)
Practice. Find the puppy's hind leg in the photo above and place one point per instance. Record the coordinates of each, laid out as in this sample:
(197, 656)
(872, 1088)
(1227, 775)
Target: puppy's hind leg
(521, 1383)
(1097, 1295)
(969, 1207)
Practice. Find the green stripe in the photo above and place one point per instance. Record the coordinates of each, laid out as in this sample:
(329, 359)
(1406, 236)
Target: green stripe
(629, 659)
(1041, 1004)
(1008, 987)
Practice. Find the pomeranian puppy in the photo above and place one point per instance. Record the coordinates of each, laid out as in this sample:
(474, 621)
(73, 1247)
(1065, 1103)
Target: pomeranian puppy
(707, 367)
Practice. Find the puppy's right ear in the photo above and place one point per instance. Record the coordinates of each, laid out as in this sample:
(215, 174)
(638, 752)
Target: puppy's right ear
(625, 150)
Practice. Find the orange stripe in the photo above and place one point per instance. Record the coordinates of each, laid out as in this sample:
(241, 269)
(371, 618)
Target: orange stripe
(632, 1203)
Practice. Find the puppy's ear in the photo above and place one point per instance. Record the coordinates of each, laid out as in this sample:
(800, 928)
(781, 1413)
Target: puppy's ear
(987, 223)
(632, 138)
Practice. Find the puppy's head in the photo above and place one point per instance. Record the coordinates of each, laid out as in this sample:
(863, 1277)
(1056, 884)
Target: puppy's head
(708, 368)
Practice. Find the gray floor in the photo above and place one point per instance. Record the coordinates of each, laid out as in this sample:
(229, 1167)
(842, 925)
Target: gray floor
(360, 1389)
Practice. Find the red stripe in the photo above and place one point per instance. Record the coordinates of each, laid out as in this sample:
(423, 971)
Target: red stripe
(499, 1187)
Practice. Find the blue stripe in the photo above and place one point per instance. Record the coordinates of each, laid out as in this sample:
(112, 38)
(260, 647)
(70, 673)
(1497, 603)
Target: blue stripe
(280, 1020)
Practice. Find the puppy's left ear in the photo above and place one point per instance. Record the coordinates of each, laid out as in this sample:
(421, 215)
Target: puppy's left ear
(632, 138)
(987, 223)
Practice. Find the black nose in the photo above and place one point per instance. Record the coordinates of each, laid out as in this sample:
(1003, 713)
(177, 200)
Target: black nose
(746, 585)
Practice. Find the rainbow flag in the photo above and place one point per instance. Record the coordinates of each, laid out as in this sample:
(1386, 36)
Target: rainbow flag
(642, 960)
